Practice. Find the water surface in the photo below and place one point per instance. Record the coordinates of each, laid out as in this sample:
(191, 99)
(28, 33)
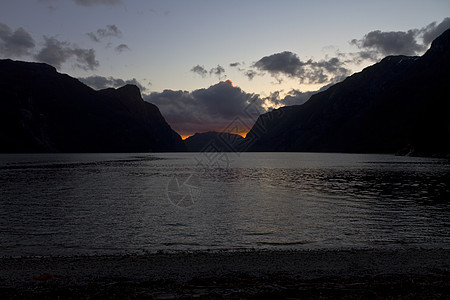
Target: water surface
(72, 204)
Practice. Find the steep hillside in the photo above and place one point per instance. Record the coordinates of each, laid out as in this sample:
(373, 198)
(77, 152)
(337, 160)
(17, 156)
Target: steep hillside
(42, 110)
(401, 104)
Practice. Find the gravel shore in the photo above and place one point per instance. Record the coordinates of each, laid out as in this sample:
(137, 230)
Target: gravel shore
(228, 275)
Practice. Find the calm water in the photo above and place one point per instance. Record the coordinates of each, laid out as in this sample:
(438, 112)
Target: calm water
(72, 204)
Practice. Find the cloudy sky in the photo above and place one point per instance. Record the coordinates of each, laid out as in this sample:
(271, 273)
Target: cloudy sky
(203, 61)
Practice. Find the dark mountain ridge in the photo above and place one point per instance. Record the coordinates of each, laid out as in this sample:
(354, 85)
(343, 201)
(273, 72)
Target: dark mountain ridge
(42, 110)
(399, 105)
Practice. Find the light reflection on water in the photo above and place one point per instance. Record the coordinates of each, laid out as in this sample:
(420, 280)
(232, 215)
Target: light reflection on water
(70, 204)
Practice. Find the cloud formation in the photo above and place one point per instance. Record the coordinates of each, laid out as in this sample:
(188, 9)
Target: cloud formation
(250, 74)
(218, 71)
(285, 62)
(97, 2)
(213, 108)
(19, 43)
(432, 31)
(293, 97)
(312, 72)
(377, 44)
(121, 48)
(56, 53)
(88, 2)
(200, 70)
(101, 33)
(391, 43)
(100, 82)
(15, 43)
(220, 107)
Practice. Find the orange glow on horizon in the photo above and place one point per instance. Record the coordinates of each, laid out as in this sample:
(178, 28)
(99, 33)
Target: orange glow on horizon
(243, 134)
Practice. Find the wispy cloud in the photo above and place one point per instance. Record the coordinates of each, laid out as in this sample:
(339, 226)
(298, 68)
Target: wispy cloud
(87, 2)
(199, 70)
(97, 2)
(218, 71)
(102, 33)
(121, 48)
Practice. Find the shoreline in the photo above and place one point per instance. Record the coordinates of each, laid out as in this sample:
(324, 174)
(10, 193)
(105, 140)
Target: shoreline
(246, 274)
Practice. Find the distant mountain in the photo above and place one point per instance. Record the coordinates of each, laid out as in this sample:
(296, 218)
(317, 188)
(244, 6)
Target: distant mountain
(399, 105)
(42, 110)
(213, 142)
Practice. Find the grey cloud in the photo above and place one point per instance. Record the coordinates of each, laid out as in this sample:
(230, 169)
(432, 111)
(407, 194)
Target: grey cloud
(218, 71)
(85, 58)
(391, 43)
(93, 37)
(208, 109)
(430, 32)
(96, 2)
(289, 64)
(236, 64)
(293, 97)
(100, 82)
(324, 71)
(200, 70)
(109, 31)
(56, 53)
(15, 43)
(250, 74)
(121, 48)
(285, 62)
(378, 43)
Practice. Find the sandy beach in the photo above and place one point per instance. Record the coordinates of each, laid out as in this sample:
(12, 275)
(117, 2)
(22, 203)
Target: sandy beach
(227, 275)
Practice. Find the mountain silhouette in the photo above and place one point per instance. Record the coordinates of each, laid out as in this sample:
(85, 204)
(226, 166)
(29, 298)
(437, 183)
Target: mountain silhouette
(399, 105)
(42, 110)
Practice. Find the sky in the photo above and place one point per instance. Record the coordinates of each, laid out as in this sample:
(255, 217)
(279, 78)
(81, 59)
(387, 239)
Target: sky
(205, 63)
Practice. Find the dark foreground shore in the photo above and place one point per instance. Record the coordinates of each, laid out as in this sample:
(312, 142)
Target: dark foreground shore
(354, 274)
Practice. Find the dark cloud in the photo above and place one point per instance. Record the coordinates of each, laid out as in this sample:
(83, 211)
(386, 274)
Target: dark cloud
(109, 31)
(100, 82)
(200, 70)
(121, 48)
(391, 43)
(214, 108)
(96, 2)
(377, 44)
(430, 32)
(56, 53)
(293, 97)
(218, 71)
(324, 71)
(219, 107)
(285, 62)
(236, 64)
(15, 43)
(250, 74)
(312, 72)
